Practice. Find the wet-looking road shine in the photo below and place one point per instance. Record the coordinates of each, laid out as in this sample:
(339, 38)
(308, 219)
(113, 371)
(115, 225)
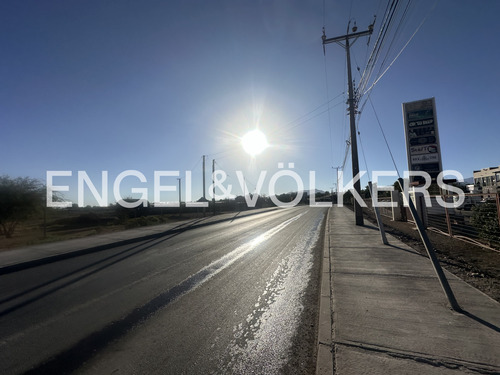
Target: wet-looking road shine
(233, 297)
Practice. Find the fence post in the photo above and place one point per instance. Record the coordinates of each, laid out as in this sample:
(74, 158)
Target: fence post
(498, 208)
(396, 211)
(418, 203)
(448, 221)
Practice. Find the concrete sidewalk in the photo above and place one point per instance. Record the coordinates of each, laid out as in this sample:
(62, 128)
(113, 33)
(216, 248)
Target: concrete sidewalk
(389, 315)
(25, 257)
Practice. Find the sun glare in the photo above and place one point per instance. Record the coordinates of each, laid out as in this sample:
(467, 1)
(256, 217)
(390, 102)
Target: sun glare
(254, 142)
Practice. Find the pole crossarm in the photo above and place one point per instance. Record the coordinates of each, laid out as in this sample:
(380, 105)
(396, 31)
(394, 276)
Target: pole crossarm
(343, 38)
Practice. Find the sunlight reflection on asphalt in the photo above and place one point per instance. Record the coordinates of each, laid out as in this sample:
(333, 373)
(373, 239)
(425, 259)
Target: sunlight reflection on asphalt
(262, 341)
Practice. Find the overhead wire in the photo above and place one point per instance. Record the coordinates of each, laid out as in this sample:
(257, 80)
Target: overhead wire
(367, 93)
(301, 120)
(387, 24)
(196, 164)
(386, 39)
(371, 62)
(385, 138)
(347, 145)
(404, 47)
(396, 33)
(292, 125)
(347, 149)
(218, 154)
(329, 114)
(363, 153)
(391, 9)
(229, 176)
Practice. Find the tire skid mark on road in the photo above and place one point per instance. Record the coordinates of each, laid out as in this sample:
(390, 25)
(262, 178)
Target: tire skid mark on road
(70, 359)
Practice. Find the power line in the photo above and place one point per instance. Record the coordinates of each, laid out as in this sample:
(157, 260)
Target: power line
(197, 163)
(379, 43)
(363, 153)
(292, 124)
(347, 148)
(311, 112)
(385, 138)
(396, 33)
(329, 115)
(404, 47)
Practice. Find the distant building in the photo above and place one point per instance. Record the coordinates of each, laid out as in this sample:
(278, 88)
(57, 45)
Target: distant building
(487, 180)
(471, 189)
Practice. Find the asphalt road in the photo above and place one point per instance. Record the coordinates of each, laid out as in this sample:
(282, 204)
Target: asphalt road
(235, 297)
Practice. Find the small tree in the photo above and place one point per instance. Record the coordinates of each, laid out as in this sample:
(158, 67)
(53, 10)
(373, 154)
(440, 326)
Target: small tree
(19, 198)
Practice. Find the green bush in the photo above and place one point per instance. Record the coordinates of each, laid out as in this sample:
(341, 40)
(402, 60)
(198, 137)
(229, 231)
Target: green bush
(20, 198)
(485, 220)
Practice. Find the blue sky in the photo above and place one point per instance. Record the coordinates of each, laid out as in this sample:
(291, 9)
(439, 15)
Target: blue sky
(154, 85)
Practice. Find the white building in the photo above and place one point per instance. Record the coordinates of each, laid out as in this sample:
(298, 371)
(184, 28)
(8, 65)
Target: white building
(487, 180)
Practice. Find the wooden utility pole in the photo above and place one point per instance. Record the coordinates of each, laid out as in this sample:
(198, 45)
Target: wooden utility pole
(204, 190)
(204, 197)
(213, 183)
(336, 181)
(352, 108)
(180, 201)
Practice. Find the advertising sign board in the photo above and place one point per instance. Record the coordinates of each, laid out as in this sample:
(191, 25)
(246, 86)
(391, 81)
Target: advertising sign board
(422, 137)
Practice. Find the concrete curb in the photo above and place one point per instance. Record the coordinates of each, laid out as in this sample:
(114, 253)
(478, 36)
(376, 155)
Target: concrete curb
(79, 252)
(324, 361)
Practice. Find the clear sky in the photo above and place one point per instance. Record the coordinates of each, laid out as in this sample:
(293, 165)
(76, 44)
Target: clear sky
(154, 85)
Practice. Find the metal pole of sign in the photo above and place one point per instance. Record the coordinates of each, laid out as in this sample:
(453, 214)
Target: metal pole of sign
(379, 218)
(432, 255)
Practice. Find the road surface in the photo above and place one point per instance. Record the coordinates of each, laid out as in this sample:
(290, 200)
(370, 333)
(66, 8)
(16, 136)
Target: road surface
(233, 297)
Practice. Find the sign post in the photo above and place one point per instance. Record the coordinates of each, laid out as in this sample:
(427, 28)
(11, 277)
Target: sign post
(424, 154)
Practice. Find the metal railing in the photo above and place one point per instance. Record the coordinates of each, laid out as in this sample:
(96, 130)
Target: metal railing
(476, 220)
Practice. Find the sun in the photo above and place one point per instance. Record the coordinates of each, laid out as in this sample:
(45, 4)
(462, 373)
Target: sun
(254, 142)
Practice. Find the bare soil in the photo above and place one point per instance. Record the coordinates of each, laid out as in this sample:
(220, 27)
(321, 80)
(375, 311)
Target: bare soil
(66, 226)
(478, 266)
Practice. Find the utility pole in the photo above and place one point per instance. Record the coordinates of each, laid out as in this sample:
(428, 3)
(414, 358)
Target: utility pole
(204, 197)
(204, 190)
(180, 203)
(213, 184)
(352, 107)
(337, 182)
